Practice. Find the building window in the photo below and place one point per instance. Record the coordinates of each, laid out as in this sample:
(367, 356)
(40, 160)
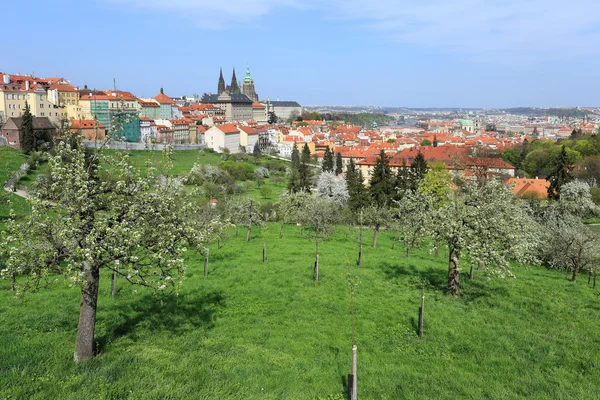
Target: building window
(42, 105)
(42, 114)
(13, 96)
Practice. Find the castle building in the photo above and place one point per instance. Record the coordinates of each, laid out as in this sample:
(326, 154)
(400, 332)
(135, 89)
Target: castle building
(248, 86)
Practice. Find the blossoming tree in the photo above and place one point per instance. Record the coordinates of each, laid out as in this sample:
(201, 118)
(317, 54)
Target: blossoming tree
(90, 214)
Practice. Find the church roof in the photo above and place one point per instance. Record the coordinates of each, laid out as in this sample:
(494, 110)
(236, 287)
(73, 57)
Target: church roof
(235, 98)
(285, 104)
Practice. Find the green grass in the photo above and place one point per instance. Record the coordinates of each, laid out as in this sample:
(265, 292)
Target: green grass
(266, 331)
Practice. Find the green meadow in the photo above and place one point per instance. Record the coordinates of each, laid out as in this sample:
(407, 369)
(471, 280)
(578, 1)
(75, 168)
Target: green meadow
(254, 330)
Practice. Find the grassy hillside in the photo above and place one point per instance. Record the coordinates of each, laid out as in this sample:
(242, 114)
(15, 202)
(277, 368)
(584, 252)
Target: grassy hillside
(266, 331)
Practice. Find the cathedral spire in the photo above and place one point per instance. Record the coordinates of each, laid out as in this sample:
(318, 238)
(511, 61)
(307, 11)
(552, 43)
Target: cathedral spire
(235, 89)
(221, 88)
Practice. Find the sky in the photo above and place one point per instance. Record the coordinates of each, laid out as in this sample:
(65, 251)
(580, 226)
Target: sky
(407, 53)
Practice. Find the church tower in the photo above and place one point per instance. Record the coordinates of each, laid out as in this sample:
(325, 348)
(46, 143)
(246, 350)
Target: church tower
(221, 88)
(234, 88)
(248, 86)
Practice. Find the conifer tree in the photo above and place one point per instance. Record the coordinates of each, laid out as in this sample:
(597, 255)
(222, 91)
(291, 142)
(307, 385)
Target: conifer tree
(560, 174)
(304, 171)
(295, 156)
(356, 188)
(327, 165)
(27, 134)
(435, 142)
(382, 181)
(418, 169)
(339, 163)
(402, 180)
(294, 174)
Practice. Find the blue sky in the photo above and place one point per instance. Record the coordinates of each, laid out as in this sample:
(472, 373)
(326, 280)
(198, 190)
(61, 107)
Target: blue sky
(413, 53)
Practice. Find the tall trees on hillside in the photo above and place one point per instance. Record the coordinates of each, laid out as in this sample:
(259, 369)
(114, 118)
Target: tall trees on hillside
(418, 170)
(328, 163)
(358, 195)
(339, 163)
(27, 133)
(137, 225)
(305, 169)
(294, 171)
(382, 182)
(559, 175)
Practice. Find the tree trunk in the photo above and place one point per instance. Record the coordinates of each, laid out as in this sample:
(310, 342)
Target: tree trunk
(393, 244)
(113, 283)
(453, 275)
(264, 252)
(248, 232)
(471, 272)
(206, 262)
(375, 234)
(13, 281)
(575, 273)
(218, 243)
(589, 277)
(437, 245)
(481, 266)
(281, 231)
(316, 270)
(84, 349)
(594, 286)
(407, 248)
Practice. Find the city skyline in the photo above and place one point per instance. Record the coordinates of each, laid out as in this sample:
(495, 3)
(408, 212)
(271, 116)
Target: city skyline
(467, 53)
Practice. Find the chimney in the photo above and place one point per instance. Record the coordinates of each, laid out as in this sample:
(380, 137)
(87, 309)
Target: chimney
(27, 86)
(161, 91)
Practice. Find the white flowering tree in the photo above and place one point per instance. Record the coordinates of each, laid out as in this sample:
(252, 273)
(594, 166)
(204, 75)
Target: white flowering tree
(86, 217)
(576, 198)
(321, 215)
(246, 212)
(567, 244)
(290, 207)
(486, 223)
(333, 188)
(413, 211)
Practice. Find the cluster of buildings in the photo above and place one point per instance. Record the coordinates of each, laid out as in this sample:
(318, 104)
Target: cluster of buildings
(127, 117)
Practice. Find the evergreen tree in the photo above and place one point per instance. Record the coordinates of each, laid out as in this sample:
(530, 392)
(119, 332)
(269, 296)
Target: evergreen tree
(272, 118)
(256, 151)
(304, 171)
(26, 133)
(402, 180)
(560, 174)
(327, 165)
(435, 142)
(418, 169)
(535, 135)
(382, 181)
(294, 174)
(295, 156)
(356, 188)
(339, 163)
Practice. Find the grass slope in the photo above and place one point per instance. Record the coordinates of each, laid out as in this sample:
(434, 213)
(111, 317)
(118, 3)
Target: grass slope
(266, 331)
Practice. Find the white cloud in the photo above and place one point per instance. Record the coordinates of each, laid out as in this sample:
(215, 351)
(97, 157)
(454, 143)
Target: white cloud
(213, 14)
(507, 31)
(487, 30)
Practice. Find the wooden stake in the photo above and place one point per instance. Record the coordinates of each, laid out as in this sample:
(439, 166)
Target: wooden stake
(264, 252)
(113, 285)
(421, 312)
(354, 376)
(316, 271)
(206, 263)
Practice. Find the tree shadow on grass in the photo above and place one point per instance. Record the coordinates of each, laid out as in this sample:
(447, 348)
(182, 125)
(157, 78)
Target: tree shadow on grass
(175, 314)
(435, 276)
(473, 289)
